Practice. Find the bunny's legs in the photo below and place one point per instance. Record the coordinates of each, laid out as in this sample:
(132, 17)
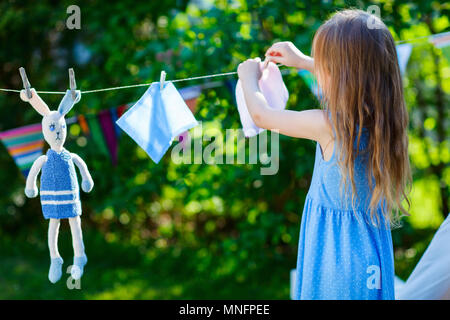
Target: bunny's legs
(79, 259)
(55, 272)
(53, 231)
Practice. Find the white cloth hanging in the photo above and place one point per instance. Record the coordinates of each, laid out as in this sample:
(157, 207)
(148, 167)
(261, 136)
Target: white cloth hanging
(273, 89)
(430, 279)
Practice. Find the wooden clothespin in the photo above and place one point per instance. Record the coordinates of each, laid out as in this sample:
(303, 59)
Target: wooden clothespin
(26, 83)
(162, 79)
(73, 83)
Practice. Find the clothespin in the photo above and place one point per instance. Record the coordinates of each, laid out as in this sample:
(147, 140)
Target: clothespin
(26, 83)
(162, 79)
(265, 63)
(73, 84)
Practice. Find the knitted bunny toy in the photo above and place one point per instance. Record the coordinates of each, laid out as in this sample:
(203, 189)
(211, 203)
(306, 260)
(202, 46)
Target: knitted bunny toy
(59, 184)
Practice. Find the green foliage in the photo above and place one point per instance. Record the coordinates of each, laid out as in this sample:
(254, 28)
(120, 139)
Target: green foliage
(226, 223)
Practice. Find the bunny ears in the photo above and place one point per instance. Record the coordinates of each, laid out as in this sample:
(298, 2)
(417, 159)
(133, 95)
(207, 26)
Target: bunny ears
(36, 102)
(68, 102)
(30, 95)
(41, 107)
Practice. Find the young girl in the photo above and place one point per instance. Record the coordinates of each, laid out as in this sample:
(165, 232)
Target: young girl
(361, 171)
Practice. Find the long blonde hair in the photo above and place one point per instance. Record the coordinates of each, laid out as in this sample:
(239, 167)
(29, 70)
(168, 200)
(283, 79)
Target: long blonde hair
(356, 64)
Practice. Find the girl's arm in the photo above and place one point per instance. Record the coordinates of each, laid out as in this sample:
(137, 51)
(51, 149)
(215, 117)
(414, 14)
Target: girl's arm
(308, 124)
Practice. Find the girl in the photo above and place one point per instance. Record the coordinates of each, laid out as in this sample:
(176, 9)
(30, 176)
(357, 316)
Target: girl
(361, 170)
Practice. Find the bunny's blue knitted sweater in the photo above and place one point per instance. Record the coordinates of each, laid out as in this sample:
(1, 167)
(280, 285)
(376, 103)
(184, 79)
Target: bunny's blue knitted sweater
(60, 197)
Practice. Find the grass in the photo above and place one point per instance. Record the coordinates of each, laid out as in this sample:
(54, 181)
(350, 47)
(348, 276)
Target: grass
(117, 271)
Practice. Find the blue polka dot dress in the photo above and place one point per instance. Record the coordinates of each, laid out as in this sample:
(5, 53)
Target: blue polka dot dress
(341, 254)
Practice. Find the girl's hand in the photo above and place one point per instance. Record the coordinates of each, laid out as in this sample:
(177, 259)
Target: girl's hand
(287, 54)
(250, 70)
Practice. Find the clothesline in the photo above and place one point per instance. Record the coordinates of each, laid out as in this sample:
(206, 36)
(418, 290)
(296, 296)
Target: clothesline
(132, 85)
(414, 39)
(179, 80)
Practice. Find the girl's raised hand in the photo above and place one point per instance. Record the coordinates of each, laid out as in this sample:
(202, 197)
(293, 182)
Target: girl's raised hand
(287, 54)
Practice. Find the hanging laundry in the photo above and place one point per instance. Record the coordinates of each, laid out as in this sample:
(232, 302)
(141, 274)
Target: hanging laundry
(403, 54)
(24, 144)
(156, 119)
(109, 132)
(96, 134)
(273, 89)
(430, 279)
(442, 41)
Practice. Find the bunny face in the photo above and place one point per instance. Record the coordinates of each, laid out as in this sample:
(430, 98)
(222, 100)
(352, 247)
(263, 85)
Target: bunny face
(54, 129)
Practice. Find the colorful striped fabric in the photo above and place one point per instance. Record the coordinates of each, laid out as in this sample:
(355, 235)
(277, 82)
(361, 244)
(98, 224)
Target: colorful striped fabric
(97, 134)
(403, 53)
(311, 82)
(83, 124)
(109, 133)
(114, 118)
(190, 96)
(24, 144)
(442, 41)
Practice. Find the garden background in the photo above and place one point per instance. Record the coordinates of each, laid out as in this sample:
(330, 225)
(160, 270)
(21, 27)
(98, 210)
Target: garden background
(163, 231)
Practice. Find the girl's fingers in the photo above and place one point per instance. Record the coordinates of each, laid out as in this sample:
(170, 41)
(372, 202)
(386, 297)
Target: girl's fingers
(273, 53)
(275, 49)
(275, 59)
(269, 51)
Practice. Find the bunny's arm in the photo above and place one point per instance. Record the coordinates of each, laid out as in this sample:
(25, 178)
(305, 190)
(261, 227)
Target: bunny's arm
(86, 183)
(31, 190)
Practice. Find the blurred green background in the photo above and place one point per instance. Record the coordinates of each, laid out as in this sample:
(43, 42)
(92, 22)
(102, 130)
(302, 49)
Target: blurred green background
(194, 231)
